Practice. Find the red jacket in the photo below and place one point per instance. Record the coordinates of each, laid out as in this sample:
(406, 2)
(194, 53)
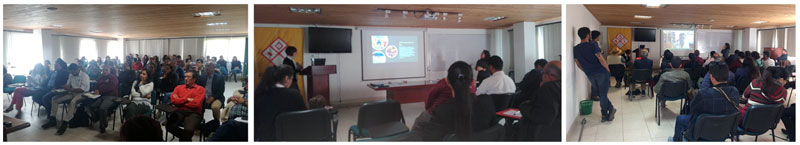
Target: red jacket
(440, 93)
(137, 66)
(188, 98)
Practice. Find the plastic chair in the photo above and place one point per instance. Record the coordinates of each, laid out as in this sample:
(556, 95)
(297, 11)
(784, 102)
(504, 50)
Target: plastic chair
(501, 101)
(305, 125)
(670, 91)
(713, 127)
(494, 133)
(639, 76)
(759, 119)
(378, 119)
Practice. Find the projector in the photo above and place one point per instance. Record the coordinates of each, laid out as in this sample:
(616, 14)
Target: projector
(430, 16)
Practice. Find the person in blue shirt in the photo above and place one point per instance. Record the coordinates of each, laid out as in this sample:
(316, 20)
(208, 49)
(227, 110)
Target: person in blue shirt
(589, 59)
(721, 99)
(643, 62)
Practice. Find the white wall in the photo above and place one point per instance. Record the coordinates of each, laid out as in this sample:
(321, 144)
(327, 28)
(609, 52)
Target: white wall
(577, 16)
(165, 46)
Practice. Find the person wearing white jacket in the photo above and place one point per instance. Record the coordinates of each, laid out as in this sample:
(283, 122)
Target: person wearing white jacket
(140, 96)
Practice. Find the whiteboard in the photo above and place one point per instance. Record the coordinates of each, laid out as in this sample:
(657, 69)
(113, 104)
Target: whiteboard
(414, 67)
(710, 40)
(446, 49)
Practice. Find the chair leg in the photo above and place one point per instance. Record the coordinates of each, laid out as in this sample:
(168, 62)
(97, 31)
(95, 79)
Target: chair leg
(773, 135)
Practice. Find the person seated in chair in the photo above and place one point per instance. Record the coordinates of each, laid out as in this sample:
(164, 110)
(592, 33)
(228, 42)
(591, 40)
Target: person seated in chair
(674, 74)
(721, 99)
(77, 84)
(464, 114)
(107, 89)
(166, 82)
(275, 96)
(642, 62)
(215, 88)
(141, 93)
(541, 115)
(499, 82)
(55, 81)
(766, 90)
(141, 128)
(531, 81)
(188, 99)
(32, 88)
(236, 68)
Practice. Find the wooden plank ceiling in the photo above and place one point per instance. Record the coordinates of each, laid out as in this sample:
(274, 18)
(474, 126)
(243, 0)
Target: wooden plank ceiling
(723, 15)
(368, 15)
(128, 21)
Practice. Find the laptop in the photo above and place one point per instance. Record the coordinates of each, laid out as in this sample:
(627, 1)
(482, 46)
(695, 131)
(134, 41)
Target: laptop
(318, 61)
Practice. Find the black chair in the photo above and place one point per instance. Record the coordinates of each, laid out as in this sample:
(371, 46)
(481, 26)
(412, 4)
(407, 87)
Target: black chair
(694, 75)
(639, 76)
(759, 119)
(501, 101)
(494, 133)
(306, 125)
(378, 119)
(713, 127)
(670, 91)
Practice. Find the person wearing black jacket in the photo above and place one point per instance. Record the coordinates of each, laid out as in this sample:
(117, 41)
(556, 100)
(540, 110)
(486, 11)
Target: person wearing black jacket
(167, 82)
(541, 115)
(273, 97)
(289, 60)
(236, 67)
(482, 66)
(529, 83)
(215, 88)
(126, 78)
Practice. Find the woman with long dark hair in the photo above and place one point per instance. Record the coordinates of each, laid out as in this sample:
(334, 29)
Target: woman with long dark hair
(141, 94)
(274, 97)
(745, 74)
(768, 89)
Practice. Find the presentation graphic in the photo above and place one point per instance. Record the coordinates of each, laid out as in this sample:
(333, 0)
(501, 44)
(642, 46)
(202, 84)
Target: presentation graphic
(394, 49)
(678, 39)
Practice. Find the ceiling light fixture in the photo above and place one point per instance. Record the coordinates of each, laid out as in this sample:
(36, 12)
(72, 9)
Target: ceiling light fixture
(654, 5)
(404, 14)
(120, 34)
(217, 24)
(730, 26)
(305, 10)
(57, 25)
(207, 14)
(95, 31)
(636, 22)
(386, 13)
(444, 16)
(459, 17)
(52, 8)
(642, 17)
(222, 29)
(494, 18)
(426, 14)
(760, 22)
(711, 20)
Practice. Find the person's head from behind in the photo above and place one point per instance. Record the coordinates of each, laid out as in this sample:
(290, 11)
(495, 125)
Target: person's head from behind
(667, 55)
(141, 128)
(713, 54)
(628, 51)
(728, 46)
(675, 62)
(641, 46)
(74, 69)
(539, 64)
(766, 54)
(644, 53)
(459, 77)
(278, 74)
(775, 77)
(595, 35)
(718, 72)
(692, 56)
(495, 64)
(485, 54)
(755, 55)
(189, 77)
(584, 33)
(291, 50)
(482, 65)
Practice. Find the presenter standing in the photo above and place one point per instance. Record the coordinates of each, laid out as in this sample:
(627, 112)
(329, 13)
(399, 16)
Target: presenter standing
(289, 60)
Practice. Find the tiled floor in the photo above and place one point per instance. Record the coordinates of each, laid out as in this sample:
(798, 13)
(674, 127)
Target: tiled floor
(348, 116)
(635, 121)
(35, 132)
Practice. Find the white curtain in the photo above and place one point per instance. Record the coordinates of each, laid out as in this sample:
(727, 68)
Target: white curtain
(114, 49)
(225, 46)
(88, 48)
(766, 38)
(790, 41)
(21, 52)
(549, 41)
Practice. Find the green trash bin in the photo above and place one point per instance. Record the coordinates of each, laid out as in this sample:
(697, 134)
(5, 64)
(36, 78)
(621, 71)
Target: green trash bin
(586, 107)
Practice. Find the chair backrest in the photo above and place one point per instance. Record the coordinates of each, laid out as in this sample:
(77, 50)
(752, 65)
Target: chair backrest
(674, 89)
(19, 79)
(376, 113)
(501, 101)
(305, 125)
(641, 74)
(760, 118)
(714, 127)
(494, 133)
(694, 74)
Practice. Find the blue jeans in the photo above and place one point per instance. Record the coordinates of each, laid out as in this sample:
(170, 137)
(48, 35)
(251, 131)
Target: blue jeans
(166, 98)
(681, 123)
(600, 83)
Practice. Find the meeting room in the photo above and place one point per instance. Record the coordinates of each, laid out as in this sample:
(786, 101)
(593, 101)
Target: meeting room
(407, 72)
(680, 72)
(125, 73)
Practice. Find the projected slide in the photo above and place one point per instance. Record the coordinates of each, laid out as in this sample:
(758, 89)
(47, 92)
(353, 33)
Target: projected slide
(393, 49)
(677, 39)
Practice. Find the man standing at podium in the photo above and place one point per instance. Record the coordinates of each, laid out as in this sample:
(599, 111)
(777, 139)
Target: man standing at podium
(289, 60)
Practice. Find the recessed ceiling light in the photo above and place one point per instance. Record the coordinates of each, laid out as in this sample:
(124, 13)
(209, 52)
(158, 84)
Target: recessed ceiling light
(654, 5)
(760, 22)
(207, 14)
(636, 22)
(642, 17)
(730, 26)
(494, 18)
(305, 10)
(222, 29)
(57, 25)
(52, 8)
(95, 31)
(217, 24)
(120, 34)
(711, 20)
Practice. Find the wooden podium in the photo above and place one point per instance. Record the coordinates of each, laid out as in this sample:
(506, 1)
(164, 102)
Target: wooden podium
(318, 81)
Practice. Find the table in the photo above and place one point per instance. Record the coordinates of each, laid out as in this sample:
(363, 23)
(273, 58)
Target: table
(16, 125)
(166, 108)
(407, 92)
(511, 113)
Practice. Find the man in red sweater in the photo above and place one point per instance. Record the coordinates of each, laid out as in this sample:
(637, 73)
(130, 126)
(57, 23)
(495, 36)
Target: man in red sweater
(188, 98)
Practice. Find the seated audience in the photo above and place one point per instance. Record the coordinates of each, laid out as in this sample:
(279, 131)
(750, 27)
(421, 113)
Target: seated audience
(55, 81)
(530, 82)
(231, 131)
(77, 84)
(768, 89)
(665, 61)
(541, 115)
(237, 105)
(107, 89)
(464, 114)
(767, 61)
(718, 100)
(236, 67)
(616, 65)
(275, 97)
(673, 74)
(35, 82)
(643, 62)
(188, 99)
(712, 57)
(141, 128)
(746, 74)
(141, 92)
(167, 82)
(215, 88)
(126, 78)
(499, 82)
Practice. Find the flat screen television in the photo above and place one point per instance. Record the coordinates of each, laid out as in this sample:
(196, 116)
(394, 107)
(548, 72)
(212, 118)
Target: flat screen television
(329, 40)
(644, 34)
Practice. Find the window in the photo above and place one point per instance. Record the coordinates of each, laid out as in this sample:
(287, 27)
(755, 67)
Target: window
(22, 52)
(225, 46)
(548, 41)
(114, 49)
(88, 49)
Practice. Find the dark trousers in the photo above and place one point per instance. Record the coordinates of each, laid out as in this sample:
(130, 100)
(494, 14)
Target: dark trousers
(46, 99)
(102, 107)
(681, 124)
(190, 121)
(134, 109)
